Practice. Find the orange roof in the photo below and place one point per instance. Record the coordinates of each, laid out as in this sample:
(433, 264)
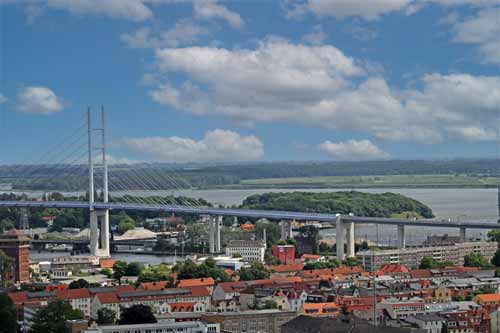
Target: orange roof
(306, 256)
(182, 307)
(207, 282)
(106, 298)
(420, 273)
(159, 285)
(393, 268)
(320, 307)
(487, 298)
(107, 263)
(199, 291)
(332, 271)
(73, 293)
(286, 268)
(247, 226)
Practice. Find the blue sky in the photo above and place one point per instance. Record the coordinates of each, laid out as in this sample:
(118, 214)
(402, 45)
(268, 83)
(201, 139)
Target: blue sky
(207, 80)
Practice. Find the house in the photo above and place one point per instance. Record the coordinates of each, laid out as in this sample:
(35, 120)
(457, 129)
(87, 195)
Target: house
(250, 250)
(327, 309)
(312, 258)
(78, 298)
(491, 301)
(285, 270)
(209, 283)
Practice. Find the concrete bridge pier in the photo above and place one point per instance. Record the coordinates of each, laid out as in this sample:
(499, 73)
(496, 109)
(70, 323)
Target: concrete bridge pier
(214, 226)
(462, 234)
(351, 252)
(401, 236)
(99, 231)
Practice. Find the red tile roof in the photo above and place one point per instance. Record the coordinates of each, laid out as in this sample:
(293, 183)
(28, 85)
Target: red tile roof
(107, 298)
(393, 268)
(73, 293)
(207, 282)
(182, 307)
(160, 285)
(307, 256)
(199, 291)
(286, 268)
(420, 273)
(18, 297)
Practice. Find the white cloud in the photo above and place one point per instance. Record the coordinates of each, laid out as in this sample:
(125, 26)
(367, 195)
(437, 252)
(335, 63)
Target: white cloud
(353, 150)
(372, 9)
(182, 33)
(38, 100)
(209, 9)
(216, 145)
(482, 29)
(3, 99)
(134, 10)
(120, 160)
(320, 86)
(315, 37)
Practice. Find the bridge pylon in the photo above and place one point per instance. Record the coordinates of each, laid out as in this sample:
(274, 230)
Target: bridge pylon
(99, 219)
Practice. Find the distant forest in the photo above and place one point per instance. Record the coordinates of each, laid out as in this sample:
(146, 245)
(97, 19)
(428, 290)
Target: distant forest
(358, 203)
(211, 176)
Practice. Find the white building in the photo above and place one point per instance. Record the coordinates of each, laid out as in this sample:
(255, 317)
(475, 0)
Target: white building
(495, 321)
(250, 250)
(163, 327)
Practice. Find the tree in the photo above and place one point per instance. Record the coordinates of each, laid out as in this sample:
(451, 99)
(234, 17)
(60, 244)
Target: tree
(134, 269)
(189, 270)
(156, 273)
(119, 269)
(494, 236)
(256, 271)
(495, 261)
(106, 316)
(476, 260)
(273, 232)
(137, 314)
(430, 263)
(51, 319)
(77, 284)
(236, 255)
(270, 304)
(6, 266)
(8, 315)
(107, 272)
(126, 223)
(351, 261)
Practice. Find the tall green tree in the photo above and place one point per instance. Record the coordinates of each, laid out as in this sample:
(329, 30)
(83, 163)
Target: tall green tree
(106, 316)
(77, 284)
(119, 269)
(8, 315)
(6, 266)
(476, 260)
(51, 319)
(256, 271)
(137, 314)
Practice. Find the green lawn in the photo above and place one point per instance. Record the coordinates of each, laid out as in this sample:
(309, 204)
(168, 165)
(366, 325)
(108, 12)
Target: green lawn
(398, 181)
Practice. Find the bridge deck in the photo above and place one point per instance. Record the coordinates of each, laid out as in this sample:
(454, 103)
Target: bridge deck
(269, 214)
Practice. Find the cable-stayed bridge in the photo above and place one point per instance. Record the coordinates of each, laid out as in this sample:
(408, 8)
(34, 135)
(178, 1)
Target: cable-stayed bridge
(71, 160)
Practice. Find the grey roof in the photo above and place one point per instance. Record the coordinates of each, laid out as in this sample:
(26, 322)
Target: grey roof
(37, 294)
(175, 291)
(308, 324)
(428, 318)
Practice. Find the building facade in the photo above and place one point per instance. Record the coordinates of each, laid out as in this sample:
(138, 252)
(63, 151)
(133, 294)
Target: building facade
(17, 246)
(250, 250)
(411, 257)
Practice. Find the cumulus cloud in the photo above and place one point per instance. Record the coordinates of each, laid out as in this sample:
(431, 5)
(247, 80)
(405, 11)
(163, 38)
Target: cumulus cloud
(353, 150)
(216, 145)
(315, 37)
(3, 99)
(38, 100)
(209, 9)
(482, 29)
(320, 86)
(134, 10)
(373, 9)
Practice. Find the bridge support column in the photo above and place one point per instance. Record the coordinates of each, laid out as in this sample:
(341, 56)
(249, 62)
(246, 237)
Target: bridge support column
(462, 234)
(340, 238)
(211, 235)
(351, 251)
(286, 229)
(401, 236)
(99, 233)
(218, 225)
